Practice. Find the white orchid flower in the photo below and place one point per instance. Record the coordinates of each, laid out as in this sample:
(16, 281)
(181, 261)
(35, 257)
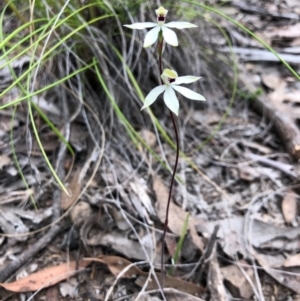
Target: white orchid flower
(168, 34)
(171, 80)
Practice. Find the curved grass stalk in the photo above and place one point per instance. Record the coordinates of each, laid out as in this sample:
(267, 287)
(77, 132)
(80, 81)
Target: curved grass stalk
(60, 183)
(44, 89)
(53, 128)
(15, 46)
(29, 103)
(52, 50)
(28, 24)
(6, 41)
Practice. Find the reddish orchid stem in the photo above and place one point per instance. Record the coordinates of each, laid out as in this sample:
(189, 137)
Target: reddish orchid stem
(160, 47)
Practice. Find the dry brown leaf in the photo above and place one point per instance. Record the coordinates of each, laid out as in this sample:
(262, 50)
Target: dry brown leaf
(52, 293)
(74, 189)
(177, 215)
(171, 244)
(292, 261)
(117, 264)
(4, 160)
(129, 248)
(271, 80)
(289, 206)
(175, 295)
(45, 278)
(270, 264)
(171, 282)
(236, 280)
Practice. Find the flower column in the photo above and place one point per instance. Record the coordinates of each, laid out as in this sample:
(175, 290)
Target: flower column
(170, 84)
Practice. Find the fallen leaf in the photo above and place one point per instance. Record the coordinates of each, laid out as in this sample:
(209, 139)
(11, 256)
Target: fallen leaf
(117, 264)
(4, 160)
(271, 80)
(292, 261)
(236, 281)
(287, 278)
(175, 295)
(261, 235)
(268, 236)
(230, 234)
(289, 207)
(45, 278)
(176, 214)
(123, 244)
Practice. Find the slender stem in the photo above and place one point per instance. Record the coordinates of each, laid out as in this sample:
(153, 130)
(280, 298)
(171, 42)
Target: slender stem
(169, 197)
(160, 48)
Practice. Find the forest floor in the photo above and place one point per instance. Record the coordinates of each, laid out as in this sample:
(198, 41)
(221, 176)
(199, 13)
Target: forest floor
(237, 195)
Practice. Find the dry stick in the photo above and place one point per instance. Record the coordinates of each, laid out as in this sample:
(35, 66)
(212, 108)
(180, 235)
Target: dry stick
(28, 254)
(160, 49)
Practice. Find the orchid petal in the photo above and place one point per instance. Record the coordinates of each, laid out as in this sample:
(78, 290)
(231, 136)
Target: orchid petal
(142, 25)
(185, 79)
(171, 100)
(169, 36)
(152, 96)
(188, 93)
(151, 36)
(180, 25)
